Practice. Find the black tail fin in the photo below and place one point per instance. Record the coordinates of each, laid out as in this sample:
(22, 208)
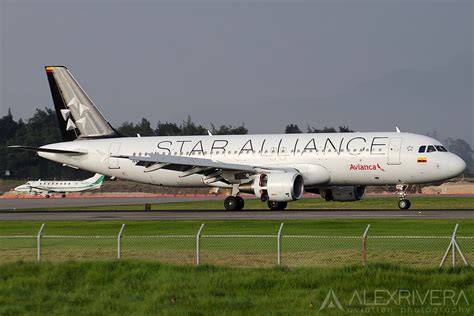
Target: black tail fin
(77, 115)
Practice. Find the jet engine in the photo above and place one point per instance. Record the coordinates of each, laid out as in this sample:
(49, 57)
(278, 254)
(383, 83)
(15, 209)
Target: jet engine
(276, 187)
(343, 193)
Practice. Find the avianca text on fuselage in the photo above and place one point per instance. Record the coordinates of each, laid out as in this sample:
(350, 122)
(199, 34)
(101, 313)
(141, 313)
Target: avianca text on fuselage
(365, 167)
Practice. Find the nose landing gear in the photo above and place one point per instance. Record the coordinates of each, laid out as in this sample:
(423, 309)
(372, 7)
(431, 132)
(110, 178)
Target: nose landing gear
(403, 203)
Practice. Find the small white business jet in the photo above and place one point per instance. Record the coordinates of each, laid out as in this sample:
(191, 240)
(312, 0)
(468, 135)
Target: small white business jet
(275, 168)
(47, 188)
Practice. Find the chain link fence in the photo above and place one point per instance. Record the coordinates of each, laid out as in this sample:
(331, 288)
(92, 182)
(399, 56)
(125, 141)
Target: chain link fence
(244, 250)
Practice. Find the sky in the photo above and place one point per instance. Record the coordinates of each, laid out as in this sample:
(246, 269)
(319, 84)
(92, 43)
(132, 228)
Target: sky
(370, 65)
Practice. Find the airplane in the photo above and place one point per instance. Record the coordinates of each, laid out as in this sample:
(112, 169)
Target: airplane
(46, 188)
(277, 169)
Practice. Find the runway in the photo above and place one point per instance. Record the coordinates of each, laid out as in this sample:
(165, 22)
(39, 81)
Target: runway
(43, 203)
(240, 215)
(20, 209)
(13, 204)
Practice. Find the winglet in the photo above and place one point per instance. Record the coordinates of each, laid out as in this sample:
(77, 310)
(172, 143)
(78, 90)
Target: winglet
(397, 129)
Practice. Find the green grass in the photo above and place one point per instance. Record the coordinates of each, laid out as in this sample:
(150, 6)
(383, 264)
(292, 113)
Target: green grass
(418, 203)
(239, 251)
(145, 288)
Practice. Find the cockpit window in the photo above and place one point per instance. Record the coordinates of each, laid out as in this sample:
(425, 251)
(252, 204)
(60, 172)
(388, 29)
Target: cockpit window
(431, 149)
(422, 149)
(441, 148)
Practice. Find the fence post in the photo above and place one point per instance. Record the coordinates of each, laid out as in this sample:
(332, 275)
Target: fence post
(453, 241)
(198, 238)
(279, 243)
(364, 245)
(453, 246)
(119, 241)
(38, 241)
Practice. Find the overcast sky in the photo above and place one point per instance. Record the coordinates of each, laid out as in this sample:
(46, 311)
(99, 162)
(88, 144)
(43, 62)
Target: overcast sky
(371, 65)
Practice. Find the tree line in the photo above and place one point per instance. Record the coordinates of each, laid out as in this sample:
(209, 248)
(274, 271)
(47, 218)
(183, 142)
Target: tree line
(42, 128)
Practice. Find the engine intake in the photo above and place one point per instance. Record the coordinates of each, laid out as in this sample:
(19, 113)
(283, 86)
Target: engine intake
(344, 193)
(277, 187)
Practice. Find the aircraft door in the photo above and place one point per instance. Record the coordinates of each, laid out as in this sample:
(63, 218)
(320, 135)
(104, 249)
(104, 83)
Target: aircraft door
(114, 150)
(394, 151)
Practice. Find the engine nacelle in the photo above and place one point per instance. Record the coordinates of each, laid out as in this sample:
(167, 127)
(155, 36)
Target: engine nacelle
(277, 187)
(344, 193)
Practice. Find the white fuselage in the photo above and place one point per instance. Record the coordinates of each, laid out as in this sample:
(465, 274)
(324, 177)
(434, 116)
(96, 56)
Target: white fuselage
(45, 186)
(350, 158)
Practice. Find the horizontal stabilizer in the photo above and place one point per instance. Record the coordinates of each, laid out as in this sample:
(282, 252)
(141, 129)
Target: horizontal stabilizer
(49, 150)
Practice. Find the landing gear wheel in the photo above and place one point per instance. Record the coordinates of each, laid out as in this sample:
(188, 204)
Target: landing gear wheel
(63, 195)
(231, 203)
(275, 206)
(47, 196)
(240, 202)
(404, 204)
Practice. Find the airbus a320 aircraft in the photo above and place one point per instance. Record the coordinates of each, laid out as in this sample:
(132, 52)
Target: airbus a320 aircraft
(275, 168)
(47, 188)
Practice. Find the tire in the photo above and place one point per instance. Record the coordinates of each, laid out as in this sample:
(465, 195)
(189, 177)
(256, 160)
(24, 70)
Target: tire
(240, 203)
(47, 196)
(231, 203)
(404, 204)
(63, 195)
(275, 206)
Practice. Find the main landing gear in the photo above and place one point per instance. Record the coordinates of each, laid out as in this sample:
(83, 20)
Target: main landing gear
(277, 206)
(234, 203)
(403, 203)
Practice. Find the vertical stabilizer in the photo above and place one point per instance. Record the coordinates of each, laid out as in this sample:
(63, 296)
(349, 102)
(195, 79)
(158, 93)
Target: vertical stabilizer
(77, 115)
(96, 181)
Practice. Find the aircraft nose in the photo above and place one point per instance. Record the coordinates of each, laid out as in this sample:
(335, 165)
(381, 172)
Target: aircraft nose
(456, 165)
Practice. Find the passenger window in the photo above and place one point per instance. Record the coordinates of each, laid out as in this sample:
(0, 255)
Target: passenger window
(431, 149)
(422, 149)
(442, 149)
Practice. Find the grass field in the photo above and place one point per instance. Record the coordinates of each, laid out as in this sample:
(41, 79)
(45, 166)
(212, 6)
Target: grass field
(151, 283)
(418, 203)
(333, 242)
(145, 288)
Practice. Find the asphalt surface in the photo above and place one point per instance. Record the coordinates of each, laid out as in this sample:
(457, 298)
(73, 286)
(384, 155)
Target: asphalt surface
(224, 215)
(13, 204)
(17, 209)
(44, 203)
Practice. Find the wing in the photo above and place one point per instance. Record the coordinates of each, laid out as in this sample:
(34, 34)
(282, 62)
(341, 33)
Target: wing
(40, 189)
(213, 170)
